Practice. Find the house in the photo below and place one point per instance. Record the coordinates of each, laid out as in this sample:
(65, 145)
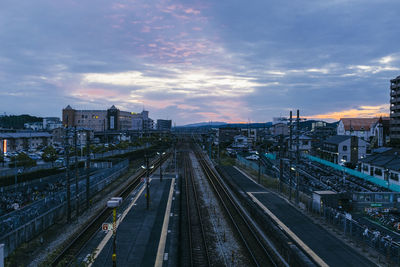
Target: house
(240, 142)
(227, 135)
(384, 165)
(304, 143)
(35, 126)
(369, 129)
(12, 142)
(280, 129)
(340, 149)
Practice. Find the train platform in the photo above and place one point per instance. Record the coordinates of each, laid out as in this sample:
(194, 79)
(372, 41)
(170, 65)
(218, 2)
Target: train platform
(143, 235)
(315, 241)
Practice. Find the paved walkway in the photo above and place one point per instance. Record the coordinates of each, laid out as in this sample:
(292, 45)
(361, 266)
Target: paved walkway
(139, 232)
(319, 244)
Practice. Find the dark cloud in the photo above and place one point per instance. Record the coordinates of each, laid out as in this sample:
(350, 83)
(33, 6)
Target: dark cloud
(198, 60)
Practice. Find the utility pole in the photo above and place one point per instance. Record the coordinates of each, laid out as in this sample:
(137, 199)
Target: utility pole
(66, 150)
(297, 155)
(147, 183)
(161, 167)
(219, 139)
(16, 173)
(76, 172)
(290, 154)
(259, 169)
(161, 154)
(87, 168)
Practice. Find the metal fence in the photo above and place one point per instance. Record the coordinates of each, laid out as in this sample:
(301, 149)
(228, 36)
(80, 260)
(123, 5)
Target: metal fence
(386, 247)
(22, 225)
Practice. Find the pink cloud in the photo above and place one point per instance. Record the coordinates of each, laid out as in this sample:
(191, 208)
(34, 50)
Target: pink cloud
(192, 11)
(146, 29)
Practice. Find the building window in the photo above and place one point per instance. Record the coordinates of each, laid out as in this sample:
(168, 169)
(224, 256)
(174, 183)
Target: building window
(394, 176)
(365, 168)
(83, 116)
(344, 148)
(378, 172)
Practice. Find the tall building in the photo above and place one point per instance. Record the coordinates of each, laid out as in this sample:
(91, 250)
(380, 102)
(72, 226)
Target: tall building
(107, 120)
(164, 125)
(395, 111)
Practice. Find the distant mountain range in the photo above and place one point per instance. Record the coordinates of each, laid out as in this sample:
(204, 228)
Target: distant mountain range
(202, 124)
(303, 125)
(217, 124)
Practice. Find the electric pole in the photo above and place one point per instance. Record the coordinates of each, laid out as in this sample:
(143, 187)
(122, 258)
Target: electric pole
(76, 172)
(161, 166)
(87, 168)
(290, 154)
(147, 183)
(297, 155)
(66, 150)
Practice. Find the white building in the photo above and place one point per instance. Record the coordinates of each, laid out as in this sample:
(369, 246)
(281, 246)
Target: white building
(304, 143)
(35, 126)
(365, 128)
(241, 142)
(341, 148)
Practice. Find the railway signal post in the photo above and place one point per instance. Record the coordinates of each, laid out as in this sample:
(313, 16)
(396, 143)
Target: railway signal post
(114, 203)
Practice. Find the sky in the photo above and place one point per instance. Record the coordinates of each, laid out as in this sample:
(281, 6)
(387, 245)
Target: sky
(195, 61)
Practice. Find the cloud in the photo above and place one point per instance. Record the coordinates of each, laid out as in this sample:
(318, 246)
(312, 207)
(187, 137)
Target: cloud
(196, 82)
(190, 60)
(359, 112)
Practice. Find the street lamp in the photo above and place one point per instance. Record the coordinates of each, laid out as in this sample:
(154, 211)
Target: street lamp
(114, 203)
(147, 168)
(160, 154)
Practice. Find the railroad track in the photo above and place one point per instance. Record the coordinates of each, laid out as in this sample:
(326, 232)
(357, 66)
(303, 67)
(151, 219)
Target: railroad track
(198, 248)
(76, 243)
(256, 249)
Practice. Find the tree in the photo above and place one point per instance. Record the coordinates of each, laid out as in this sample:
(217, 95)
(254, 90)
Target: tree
(49, 154)
(23, 160)
(2, 159)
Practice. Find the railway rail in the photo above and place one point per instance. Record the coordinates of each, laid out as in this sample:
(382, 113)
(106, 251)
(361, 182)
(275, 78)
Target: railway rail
(258, 252)
(198, 255)
(76, 243)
